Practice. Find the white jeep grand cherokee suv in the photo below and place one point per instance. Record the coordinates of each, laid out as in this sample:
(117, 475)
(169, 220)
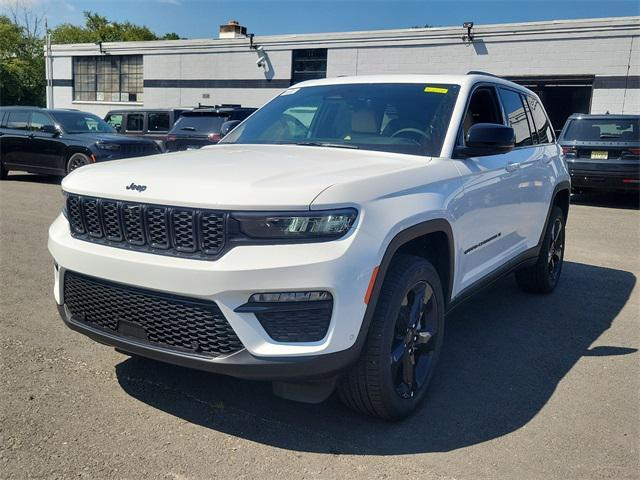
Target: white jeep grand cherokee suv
(321, 243)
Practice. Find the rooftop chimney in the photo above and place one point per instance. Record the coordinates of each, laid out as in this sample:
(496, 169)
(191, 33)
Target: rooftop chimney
(232, 29)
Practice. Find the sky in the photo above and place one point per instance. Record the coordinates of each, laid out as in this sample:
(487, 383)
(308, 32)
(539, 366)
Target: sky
(201, 18)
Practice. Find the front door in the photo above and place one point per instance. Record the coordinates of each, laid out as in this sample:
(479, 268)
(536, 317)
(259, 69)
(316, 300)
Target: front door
(488, 218)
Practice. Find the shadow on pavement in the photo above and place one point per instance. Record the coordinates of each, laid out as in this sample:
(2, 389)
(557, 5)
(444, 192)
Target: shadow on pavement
(628, 201)
(505, 352)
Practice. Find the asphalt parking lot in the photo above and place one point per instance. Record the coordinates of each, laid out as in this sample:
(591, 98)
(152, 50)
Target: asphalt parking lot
(529, 386)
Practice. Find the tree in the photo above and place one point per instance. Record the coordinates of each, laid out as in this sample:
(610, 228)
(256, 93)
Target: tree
(22, 71)
(99, 29)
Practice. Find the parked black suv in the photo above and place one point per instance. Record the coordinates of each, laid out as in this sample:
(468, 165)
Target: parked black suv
(602, 151)
(56, 142)
(204, 126)
(153, 124)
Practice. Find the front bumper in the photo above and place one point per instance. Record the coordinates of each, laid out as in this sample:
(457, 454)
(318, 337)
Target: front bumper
(241, 364)
(340, 267)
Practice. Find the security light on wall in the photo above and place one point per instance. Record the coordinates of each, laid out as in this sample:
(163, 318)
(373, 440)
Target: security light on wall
(469, 35)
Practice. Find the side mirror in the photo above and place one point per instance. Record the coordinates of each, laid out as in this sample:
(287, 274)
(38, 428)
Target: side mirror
(52, 129)
(487, 139)
(228, 126)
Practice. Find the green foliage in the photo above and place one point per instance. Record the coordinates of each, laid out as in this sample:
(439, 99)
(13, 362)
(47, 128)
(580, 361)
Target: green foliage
(22, 65)
(98, 29)
(22, 77)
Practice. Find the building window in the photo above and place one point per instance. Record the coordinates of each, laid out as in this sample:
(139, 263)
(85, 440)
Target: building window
(308, 64)
(108, 78)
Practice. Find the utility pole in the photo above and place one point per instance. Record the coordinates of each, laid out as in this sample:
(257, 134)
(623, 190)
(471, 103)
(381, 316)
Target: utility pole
(49, 65)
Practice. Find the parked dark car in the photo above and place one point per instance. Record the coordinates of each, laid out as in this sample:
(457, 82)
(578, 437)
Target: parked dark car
(602, 151)
(56, 142)
(153, 124)
(204, 126)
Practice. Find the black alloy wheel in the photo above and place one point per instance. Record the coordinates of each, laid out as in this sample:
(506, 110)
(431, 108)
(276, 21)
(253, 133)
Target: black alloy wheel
(412, 349)
(77, 160)
(404, 340)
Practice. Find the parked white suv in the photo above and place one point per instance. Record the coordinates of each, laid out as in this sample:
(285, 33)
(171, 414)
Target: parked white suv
(324, 239)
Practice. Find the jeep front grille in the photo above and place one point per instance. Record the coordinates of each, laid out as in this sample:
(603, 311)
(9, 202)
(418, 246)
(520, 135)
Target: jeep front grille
(178, 231)
(166, 321)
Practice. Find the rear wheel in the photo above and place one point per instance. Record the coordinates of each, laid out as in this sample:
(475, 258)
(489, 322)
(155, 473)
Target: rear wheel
(3, 172)
(543, 276)
(391, 377)
(77, 160)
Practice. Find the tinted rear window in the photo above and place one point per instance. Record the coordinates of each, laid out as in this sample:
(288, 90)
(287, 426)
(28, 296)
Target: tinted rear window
(209, 123)
(603, 130)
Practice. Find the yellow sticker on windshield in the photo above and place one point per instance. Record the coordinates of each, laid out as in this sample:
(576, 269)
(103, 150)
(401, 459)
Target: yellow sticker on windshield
(436, 90)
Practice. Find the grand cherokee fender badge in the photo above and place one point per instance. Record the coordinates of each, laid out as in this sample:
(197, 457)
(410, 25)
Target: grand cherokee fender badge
(139, 188)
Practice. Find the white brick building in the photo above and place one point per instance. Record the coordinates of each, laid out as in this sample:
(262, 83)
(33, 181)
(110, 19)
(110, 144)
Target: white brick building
(575, 65)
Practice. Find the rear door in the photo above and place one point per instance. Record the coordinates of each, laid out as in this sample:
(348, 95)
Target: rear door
(15, 138)
(538, 174)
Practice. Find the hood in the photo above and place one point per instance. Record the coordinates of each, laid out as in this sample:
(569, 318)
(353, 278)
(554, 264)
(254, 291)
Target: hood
(109, 137)
(250, 177)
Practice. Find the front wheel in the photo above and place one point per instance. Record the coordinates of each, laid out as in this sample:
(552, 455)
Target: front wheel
(77, 160)
(391, 377)
(3, 172)
(543, 276)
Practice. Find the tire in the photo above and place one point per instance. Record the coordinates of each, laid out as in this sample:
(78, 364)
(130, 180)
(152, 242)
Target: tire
(543, 276)
(3, 172)
(77, 160)
(376, 384)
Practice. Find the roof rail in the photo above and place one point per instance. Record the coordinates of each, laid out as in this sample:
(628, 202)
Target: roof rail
(480, 72)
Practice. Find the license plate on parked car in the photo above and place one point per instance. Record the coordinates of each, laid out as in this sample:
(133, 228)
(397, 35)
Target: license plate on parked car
(599, 155)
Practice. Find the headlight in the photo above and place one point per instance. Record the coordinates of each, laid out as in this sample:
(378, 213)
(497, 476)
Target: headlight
(327, 224)
(107, 146)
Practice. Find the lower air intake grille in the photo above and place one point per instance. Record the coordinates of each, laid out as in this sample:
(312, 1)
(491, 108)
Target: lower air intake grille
(309, 324)
(167, 321)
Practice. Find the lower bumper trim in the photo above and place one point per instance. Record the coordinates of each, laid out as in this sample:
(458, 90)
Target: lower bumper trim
(241, 364)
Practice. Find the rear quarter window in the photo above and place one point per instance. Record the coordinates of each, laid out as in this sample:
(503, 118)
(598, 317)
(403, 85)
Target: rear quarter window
(542, 124)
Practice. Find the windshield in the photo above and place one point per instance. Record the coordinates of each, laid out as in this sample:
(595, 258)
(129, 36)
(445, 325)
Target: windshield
(604, 129)
(209, 123)
(80, 122)
(390, 117)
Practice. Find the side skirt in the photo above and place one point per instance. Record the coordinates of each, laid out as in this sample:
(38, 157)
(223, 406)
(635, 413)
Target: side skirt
(526, 258)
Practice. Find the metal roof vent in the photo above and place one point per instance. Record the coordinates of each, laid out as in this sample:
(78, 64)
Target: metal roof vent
(232, 29)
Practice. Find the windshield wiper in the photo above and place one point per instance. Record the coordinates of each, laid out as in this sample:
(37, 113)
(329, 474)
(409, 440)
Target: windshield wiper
(191, 129)
(324, 144)
(609, 135)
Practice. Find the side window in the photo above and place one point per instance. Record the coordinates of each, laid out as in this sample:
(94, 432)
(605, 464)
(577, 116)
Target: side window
(39, 120)
(115, 120)
(158, 122)
(541, 122)
(517, 116)
(483, 108)
(135, 122)
(18, 120)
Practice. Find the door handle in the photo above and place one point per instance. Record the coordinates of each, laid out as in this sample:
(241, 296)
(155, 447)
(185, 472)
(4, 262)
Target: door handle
(512, 166)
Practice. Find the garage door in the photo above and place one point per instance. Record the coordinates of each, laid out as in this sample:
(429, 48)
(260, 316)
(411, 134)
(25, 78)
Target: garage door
(561, 96)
